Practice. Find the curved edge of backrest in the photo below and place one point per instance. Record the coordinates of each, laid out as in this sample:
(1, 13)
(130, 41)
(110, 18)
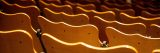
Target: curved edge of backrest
(57, 2)
(125, 18)
(154, 31)
(111, 32)
(41, 19)
(60, 8)
(19, 33)
(47, 39)
(87, 6)
(22, 18)
(129, 12)
(136, 27)
(78, 19)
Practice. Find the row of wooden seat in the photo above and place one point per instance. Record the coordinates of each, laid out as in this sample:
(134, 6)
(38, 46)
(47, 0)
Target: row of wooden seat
(83, 31)
(137, 11)
(61, 37)
(69, 10)
(32, 11)
(20, 25)
(34, 17)
(105, 16)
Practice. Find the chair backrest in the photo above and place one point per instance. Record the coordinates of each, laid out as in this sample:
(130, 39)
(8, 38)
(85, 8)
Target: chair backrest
(78, 19)
(138, 9)
(118, 11)
(141, 43)
(56, 45)
(149, 15)
(127, 28)
(114, 5)
(108, 15)
(56, 8)
(88, 1)
(16, 41)
(138, 19)
(57, 2)
(154, 31)
(69, 33)
(85, 6)
(32, 11)
(22, 2)
(19, 21)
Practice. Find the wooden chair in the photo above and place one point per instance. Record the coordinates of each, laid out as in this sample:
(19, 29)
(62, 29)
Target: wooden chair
(79, 19)
(154, 31)
(19, 21)
(16, 41)
(32, 11)
(136, 19)
(138, 9)
(149, 15)
(141, 43)
(114, 5)
(69, 33)
(56, 8)
(85, 6)
(118, 11)
(88, 1)
(21, 2)
(127, 28)
(108, 15)
(56, 45)
(57, 2)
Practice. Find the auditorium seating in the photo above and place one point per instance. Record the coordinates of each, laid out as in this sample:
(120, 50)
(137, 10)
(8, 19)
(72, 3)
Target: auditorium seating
(142, 43)
(19, 21)
(79, 26)
(57, 2)
(135, 19)
(69, 33)
(78, 19)
(139, 9)
(56, 8)
(127, 28)
(149, 15)
(118, 11)
(22, 2)
(86, 6)
(108, 15)
(32, 11)
(122, 7)
(16, 41)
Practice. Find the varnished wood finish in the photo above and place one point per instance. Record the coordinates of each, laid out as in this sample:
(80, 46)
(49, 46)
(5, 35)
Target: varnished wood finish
(127, 28)
(20, 21)
(142, 43)
(69, 33)
(56, 8)
(32, 11)
(56, 45)
(79, 19)
(16, 41)
(108, 15)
